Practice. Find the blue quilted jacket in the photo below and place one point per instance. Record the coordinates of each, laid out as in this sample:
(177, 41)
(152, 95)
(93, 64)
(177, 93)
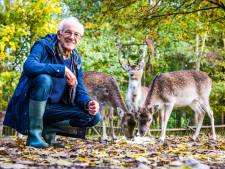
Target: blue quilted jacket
(39, 62)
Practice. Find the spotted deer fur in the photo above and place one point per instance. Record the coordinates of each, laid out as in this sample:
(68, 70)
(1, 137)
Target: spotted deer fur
(104, 88)
(136, 93)
(180, 88)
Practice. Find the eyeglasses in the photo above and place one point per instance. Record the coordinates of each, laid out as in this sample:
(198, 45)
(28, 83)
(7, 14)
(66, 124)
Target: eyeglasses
(75, 34)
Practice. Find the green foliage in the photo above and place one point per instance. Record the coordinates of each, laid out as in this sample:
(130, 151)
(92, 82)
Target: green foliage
(21, 23)
(8, 82)
(99, 53)
(216, 69)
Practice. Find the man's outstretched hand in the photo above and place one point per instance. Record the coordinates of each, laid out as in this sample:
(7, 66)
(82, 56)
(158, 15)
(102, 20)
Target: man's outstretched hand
(93, 107)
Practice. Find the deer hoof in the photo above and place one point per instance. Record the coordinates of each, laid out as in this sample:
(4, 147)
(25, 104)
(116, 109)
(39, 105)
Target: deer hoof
(214, 138)
(195, 139)
(114, 138)
(161, 141)
(104, 139)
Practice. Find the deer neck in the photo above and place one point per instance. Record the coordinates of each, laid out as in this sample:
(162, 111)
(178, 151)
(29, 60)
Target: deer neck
(134, 85)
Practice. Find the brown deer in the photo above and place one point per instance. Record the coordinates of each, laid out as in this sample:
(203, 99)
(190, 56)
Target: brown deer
(180, 88)
(136, 93)
(104, 88)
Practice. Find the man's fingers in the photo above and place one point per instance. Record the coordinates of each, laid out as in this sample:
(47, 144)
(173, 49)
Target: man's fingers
(70, 77)
(92, 111)
(93, 107)
(69, 74)
(72, 83)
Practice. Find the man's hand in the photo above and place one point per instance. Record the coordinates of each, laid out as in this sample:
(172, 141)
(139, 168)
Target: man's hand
(93, 107)
(70, 77)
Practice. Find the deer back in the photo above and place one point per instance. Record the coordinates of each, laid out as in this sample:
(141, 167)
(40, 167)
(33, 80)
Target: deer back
(104, 88)
(180, 87)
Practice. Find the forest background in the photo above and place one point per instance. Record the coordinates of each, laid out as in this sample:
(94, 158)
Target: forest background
(186, 35)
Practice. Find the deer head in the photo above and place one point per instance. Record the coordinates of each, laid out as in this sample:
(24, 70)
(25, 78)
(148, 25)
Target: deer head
(135, 71)
(128, 124)
(144, 121)
(145, 118)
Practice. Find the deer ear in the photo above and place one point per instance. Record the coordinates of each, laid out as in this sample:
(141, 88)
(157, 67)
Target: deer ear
(155, 109)
(136, 115)
(149, 107)
(120, 112)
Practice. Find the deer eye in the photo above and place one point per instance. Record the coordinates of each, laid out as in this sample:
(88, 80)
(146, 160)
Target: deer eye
(106, 91)
(144, 121)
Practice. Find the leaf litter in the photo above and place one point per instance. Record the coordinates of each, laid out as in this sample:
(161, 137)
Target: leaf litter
(141, 152)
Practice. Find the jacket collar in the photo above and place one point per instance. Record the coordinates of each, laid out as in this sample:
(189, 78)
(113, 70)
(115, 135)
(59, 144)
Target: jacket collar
(50, 41)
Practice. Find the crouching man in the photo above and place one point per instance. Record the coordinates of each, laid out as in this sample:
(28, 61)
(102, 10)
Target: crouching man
(51, 93)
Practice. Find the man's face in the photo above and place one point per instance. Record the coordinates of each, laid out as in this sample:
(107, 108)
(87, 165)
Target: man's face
(69, 37)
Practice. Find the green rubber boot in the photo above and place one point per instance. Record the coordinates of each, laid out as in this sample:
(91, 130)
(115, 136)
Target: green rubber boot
(50, 131)
(36, 112)
(62, 128)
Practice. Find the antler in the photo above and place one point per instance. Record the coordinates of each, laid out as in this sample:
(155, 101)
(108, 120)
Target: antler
(124, 66)
(149, 43)
(142, 62)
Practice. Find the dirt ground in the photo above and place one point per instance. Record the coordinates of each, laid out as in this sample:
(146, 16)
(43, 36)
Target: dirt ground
(176, 152)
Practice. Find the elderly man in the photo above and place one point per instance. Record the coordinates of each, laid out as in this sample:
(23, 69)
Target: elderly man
(51, 92)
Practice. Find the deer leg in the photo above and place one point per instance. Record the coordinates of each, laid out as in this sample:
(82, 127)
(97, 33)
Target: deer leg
(210, 114)
(165, 114)
(111, 123)
(199, 125)
(201, 113)
(104, 133)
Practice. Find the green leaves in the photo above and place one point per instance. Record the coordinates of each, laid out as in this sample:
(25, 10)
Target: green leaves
(24, 22)
(8, 82)
(21, 23)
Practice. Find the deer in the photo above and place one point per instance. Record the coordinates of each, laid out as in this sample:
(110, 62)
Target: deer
(179, 88)
(104, 88)
(136, 93)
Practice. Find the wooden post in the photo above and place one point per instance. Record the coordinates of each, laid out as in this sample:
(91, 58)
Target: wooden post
(224, 43)
(2, 116)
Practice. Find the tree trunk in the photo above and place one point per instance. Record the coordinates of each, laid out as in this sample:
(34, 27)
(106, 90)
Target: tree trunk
(197, 53)
(224, 43)
(179, 119)
(222, 118)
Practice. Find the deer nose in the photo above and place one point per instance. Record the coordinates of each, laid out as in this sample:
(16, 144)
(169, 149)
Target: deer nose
(129, 137)
(142, 133)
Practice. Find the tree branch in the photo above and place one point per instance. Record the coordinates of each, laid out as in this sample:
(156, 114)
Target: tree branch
(221, 5)
(182, 13)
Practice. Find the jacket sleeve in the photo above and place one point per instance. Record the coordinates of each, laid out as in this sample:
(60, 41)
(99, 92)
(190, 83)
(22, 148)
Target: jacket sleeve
(82, 97)
(34, 65)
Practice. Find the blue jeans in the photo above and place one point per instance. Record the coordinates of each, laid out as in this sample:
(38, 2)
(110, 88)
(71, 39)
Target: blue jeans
(40, 90)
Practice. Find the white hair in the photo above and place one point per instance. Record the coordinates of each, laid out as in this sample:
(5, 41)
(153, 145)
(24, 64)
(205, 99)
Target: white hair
(71, 20)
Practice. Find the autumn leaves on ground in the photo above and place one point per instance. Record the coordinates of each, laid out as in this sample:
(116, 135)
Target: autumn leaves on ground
(177, 152)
